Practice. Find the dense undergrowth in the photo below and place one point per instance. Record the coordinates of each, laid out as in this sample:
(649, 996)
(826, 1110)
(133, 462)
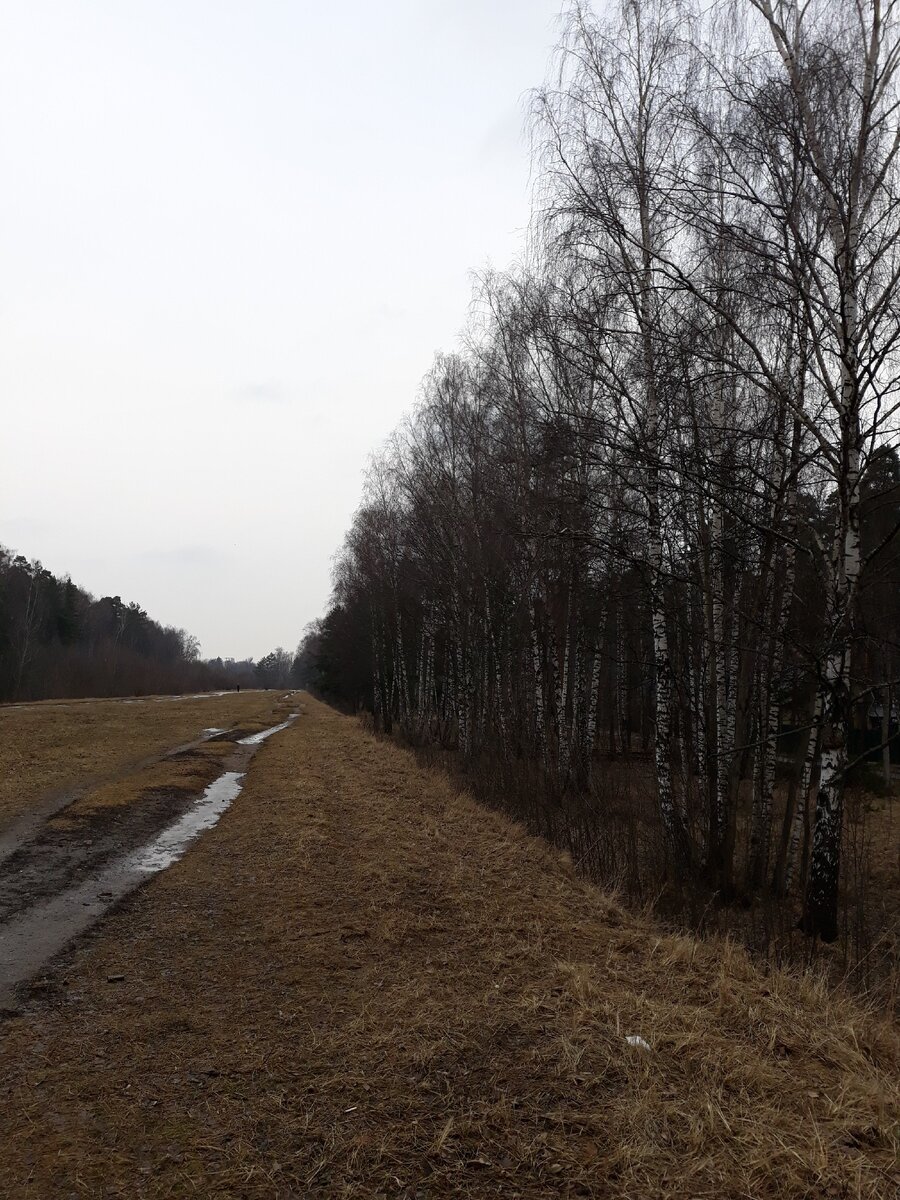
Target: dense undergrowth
(612, 831)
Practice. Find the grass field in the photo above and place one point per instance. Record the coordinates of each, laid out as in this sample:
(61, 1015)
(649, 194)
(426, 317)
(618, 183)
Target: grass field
(362, 984)
(54, 746)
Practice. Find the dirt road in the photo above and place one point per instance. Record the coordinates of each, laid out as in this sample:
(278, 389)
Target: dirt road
(53, 752)
(360, 984)
(73, 856)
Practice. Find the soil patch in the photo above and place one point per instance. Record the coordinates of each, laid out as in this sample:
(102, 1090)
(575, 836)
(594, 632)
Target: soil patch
(62, 872)
(68, 848)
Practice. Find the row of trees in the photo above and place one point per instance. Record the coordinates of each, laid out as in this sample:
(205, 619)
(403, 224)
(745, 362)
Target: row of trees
(275, 669)
(654, 502)
(57, 640)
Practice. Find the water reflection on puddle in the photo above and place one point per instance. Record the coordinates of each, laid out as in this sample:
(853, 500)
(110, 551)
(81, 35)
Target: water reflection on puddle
(32, 937)
(255, 738)
(172, 842)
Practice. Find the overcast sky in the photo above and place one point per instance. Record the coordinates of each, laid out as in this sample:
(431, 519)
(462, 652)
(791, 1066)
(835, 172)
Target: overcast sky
(233, 233)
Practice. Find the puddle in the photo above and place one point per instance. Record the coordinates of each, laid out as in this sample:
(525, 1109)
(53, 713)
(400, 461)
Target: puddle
(255, 738)
(24, 827)
(172, 843)
(34, 935)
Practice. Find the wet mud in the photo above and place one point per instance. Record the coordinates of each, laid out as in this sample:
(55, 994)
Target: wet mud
(18, 834)
(68, 848)
(69, 869)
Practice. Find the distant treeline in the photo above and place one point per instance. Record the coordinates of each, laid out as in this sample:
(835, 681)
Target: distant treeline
(57, 640)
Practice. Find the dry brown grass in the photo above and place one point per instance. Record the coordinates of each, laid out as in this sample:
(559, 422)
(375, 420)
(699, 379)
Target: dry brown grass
(49, 746)
(362, 984)
(614, 834)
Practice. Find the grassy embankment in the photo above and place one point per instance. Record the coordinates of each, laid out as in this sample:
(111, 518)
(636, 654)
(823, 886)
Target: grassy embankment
(363, 984)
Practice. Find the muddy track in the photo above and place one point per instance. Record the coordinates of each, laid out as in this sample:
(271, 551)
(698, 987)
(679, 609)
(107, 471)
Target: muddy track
(20, 832)
(68, 849)
(67, 869)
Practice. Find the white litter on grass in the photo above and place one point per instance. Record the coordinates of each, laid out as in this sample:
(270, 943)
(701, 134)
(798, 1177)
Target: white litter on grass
(634, 1039)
